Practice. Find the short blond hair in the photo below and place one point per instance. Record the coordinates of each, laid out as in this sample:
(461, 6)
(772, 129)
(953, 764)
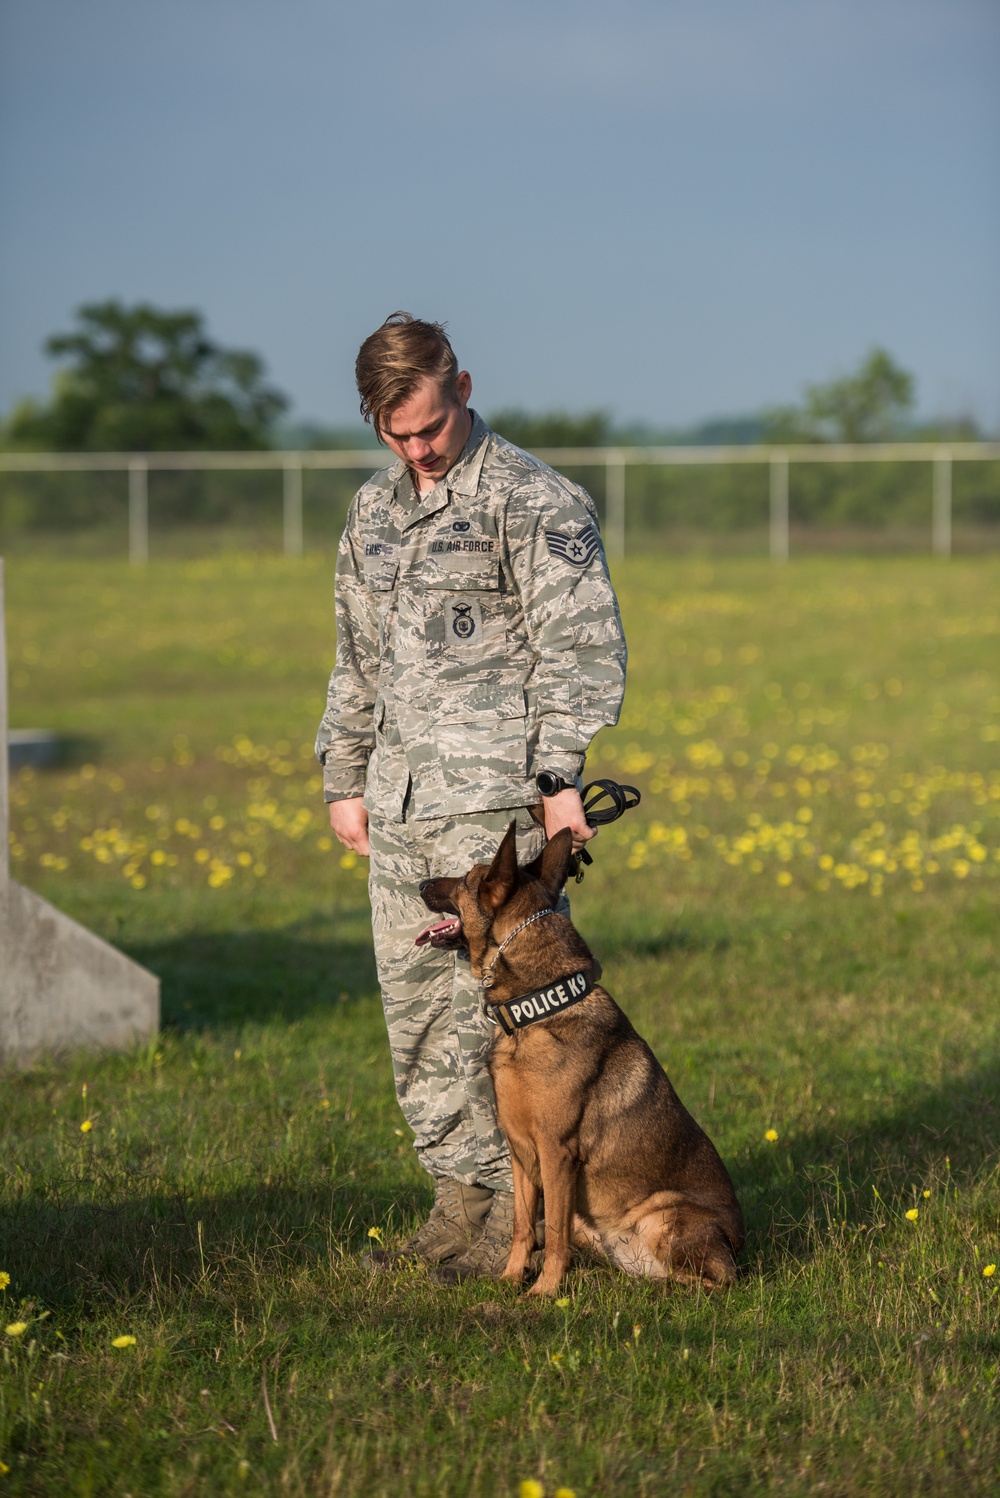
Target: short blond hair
(395, 358)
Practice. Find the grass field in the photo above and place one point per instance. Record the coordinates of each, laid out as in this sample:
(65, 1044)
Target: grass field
(802, 918)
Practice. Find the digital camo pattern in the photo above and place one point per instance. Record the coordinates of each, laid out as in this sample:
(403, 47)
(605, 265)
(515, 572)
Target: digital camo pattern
(438, 1032)
(478, 637)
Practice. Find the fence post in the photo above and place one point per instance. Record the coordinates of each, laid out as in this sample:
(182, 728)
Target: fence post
(614, 504)
(942, 503)
(779, 507)
(293, 505)
(138, 512)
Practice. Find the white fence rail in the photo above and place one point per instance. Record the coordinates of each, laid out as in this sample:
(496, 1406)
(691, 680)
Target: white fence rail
(614, 460)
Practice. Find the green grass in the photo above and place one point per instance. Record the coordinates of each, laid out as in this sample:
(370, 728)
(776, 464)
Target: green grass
(801, 917)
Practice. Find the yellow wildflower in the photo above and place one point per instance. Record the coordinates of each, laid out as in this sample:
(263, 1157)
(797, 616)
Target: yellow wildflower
(529, 1488)
(86, 1126)
(123, 1342)
(563, 1303)
(4, 1469)
(926, 1195)
(4, 1279)
(989, 1270)
(375, 1233)
(771, 1136)
(16, 1328)
(565, 1493)
(912, 1215)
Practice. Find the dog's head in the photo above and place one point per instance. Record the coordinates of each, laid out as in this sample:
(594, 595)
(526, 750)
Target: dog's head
(484, 905)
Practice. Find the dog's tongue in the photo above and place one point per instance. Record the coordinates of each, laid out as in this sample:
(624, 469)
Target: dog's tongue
(442, 933)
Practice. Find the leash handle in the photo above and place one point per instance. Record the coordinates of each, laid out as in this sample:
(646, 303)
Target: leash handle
(622, 798)
(604, 801)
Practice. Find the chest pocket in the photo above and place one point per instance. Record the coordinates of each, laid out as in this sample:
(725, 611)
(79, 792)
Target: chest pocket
(464, 621)
(381, 568)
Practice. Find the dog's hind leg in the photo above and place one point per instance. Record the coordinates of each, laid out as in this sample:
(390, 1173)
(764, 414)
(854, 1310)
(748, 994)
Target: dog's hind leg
(558, 1168)
(690, 1244)
(526, 1195)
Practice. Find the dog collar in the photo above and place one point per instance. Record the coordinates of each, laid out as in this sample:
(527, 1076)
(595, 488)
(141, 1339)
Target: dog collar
(542, 1003)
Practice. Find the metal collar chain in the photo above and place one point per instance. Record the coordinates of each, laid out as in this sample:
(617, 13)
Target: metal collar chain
(487, 980)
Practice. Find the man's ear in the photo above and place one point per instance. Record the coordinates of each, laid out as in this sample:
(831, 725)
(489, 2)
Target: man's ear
(552, 864)
(501, 880)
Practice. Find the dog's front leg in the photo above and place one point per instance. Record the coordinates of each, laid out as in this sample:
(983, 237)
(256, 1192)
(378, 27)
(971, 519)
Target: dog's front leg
(525, 1209)
(558, 1169)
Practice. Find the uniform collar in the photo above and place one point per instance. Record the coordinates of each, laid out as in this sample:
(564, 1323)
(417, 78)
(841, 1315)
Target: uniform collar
(464, 477)
(461, 478)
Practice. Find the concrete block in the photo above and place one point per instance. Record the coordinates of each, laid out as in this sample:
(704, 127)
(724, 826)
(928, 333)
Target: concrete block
(61, 987)
(37, 747)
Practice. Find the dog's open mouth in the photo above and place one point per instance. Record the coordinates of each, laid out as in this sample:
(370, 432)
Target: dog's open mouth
(445, 933)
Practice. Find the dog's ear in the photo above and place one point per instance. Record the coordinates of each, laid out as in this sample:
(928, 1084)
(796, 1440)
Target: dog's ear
(501, 880)
(552, 864)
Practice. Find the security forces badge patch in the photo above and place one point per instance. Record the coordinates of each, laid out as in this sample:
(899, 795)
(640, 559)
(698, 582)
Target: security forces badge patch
(463, 623)
(578, 550)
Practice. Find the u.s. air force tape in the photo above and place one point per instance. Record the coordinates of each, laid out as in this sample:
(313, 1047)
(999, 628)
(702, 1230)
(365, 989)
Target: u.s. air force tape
(543, 1003)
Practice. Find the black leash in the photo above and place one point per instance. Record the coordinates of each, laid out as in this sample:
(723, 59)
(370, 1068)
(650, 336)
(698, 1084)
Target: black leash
(604, 801)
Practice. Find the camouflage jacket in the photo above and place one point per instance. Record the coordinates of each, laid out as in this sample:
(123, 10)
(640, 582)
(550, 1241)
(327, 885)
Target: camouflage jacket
(478, 637)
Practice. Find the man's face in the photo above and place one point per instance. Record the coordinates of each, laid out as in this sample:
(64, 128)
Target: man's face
(429, 430)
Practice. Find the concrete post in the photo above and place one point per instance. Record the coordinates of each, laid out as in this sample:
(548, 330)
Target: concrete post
(779, 507)
(614, 504)
(60, 985)
(138, 512)
(293, 505)
(942, 503)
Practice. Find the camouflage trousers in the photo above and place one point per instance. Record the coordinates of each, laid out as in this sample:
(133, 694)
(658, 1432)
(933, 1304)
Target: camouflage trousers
(438, 1032)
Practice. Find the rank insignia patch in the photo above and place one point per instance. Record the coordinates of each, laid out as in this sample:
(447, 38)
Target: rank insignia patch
(577, 550)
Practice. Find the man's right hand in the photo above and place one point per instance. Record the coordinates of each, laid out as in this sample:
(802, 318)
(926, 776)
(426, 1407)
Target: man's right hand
(349, 821)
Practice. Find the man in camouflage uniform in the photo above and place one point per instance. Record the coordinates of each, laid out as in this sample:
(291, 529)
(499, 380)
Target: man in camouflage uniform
(478, 644)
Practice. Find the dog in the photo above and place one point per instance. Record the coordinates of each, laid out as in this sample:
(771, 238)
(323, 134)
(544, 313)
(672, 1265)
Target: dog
(588, 1112)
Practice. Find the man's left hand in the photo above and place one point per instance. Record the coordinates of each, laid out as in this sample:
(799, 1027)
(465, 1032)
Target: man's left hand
(565, 809)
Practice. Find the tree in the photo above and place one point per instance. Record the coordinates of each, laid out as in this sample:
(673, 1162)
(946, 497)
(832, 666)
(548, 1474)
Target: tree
(553, 429)
(143, 380)
(869, 406)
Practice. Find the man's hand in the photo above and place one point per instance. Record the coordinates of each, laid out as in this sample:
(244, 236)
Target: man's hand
(565, 809)
(349, 821)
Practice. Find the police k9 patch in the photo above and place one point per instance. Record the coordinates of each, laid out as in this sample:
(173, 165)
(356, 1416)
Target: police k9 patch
(578, 550)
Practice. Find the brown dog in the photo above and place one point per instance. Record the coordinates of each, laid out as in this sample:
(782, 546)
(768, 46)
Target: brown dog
(588, 1112)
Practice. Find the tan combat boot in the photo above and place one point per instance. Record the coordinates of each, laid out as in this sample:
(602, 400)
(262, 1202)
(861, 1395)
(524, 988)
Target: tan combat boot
(487, 1257)
(454, 1225)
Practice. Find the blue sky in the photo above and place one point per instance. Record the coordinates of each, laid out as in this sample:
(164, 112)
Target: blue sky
(667, 208)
